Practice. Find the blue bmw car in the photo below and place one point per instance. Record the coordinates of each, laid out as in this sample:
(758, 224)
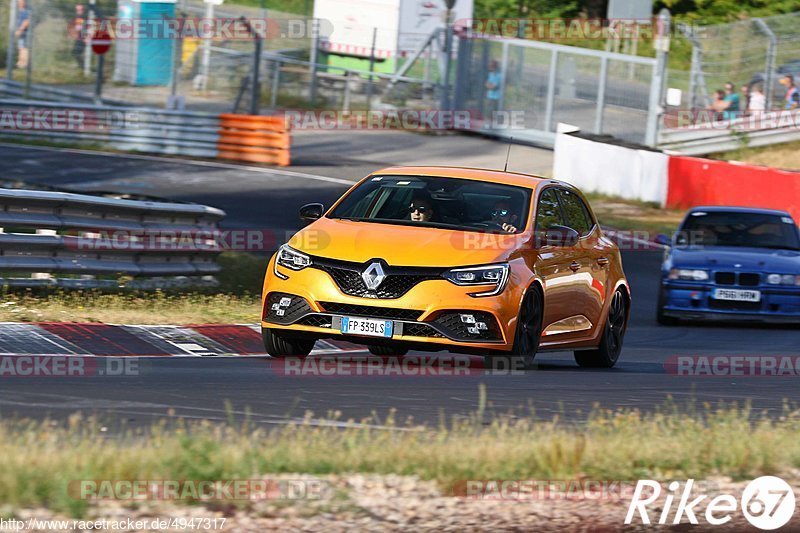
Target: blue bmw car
(731, 263)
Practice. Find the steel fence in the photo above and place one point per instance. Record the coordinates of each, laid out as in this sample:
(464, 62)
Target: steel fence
(75, 240)
(283, 54)
(545, 84)
(754, 53)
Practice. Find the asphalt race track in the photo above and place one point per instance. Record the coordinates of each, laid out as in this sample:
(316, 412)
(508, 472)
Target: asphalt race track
(198, 387)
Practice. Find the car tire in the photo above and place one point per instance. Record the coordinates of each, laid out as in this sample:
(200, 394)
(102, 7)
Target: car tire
(277, 345)
(607, 353)
(526, 336)
(661, 318)
(386, 351)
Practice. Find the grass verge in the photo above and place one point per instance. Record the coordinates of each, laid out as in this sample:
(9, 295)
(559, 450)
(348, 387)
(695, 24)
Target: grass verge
(785, 156)
(236, 300)
(622, 214)
(124, 308)
(38, 460)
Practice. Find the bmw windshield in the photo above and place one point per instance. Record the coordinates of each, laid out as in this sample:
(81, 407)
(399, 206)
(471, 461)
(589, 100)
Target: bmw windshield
(753, 230)
(448, 203)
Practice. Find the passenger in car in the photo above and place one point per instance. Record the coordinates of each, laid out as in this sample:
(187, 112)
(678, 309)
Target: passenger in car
(502, 216)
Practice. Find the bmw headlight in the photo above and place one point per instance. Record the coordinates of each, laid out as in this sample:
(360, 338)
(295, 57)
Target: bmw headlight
(783, 279)
(496, 275)
(688, 274)
(290, 258)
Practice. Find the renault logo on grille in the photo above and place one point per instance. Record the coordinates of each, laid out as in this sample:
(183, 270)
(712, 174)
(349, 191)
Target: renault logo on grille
(373, 276)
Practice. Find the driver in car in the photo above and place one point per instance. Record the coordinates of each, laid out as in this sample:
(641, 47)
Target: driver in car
(503, 217)
(421, 209)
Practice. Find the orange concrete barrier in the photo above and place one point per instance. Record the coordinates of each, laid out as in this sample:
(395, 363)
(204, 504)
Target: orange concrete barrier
(254, 138)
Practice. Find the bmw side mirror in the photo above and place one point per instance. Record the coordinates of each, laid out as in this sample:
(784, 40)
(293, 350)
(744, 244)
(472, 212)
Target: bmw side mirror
(662, 239)
(311, 212)
(561, 236)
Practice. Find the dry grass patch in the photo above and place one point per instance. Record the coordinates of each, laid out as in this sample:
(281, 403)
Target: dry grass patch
(38, 460)
(124, 308)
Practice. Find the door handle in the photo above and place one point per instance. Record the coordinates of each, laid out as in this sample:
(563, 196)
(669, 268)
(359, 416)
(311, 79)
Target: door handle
(574, 266)
(602, 261)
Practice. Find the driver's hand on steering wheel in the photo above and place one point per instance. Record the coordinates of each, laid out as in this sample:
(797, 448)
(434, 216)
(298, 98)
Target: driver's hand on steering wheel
(509, 228)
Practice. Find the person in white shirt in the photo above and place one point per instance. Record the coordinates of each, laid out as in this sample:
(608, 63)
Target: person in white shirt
(758, 102)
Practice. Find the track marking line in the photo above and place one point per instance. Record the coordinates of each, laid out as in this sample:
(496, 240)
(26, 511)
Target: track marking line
(210, 164)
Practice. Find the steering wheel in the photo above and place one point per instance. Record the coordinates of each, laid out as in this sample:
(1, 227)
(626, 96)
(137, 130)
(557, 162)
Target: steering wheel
(490, 224)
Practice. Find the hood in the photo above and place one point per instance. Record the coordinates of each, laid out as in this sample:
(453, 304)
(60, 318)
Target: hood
(727, 258)
(402, 245)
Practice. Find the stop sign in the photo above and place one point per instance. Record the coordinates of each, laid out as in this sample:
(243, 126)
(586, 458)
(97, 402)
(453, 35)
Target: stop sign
(101, 42)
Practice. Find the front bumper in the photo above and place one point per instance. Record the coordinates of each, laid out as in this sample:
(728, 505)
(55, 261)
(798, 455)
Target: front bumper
(426, 316)
(694, 301)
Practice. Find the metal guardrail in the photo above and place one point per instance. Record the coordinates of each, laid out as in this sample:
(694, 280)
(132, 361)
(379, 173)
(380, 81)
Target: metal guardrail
(49, 233)
(129, 129)
(709, 140)
(142, 129)
(15, 89)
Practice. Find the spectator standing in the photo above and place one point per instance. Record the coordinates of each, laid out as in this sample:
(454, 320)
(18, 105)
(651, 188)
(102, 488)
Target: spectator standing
(732, 103)
(718, 105)
(494, 81)
(758, 102)
(792, 94)
(21, 33)
(745, 99)
(77, 30)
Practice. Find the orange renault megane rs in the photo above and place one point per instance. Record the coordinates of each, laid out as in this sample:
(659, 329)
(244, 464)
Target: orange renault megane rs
(441, 258)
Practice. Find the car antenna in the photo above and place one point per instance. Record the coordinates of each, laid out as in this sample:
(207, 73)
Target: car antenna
(508, 153)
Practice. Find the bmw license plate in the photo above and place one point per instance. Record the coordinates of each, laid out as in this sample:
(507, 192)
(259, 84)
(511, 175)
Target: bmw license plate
(737, 295)
(367, 326)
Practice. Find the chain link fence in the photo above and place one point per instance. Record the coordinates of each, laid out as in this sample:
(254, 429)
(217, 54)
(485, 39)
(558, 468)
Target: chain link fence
(543, 84)
(147, 65)
(755, 53)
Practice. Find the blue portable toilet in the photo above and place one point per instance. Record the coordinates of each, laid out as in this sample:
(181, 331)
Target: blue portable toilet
(144, 57)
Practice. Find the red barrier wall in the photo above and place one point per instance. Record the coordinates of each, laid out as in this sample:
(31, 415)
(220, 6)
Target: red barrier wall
(694, 181)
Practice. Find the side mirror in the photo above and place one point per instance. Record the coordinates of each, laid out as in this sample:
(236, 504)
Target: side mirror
(311, 212)
(662, 239)
(561, 236)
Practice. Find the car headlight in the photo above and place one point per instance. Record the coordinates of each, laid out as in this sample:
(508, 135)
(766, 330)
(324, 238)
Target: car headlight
(783, 279)
(291, 259)
(496, 275)
(688, 274)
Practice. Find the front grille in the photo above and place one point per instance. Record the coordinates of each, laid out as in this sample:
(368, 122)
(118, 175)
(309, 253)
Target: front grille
(734, 306)
(452, 326)
(744, 279)
(318, 321)
(419, 329)
(398, 281)
(747, 279)
(296, 308)
(725, 278)
(371, 311)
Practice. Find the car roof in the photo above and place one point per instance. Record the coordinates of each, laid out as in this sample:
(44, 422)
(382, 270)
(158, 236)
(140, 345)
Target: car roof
(478, 174)
(738, 209)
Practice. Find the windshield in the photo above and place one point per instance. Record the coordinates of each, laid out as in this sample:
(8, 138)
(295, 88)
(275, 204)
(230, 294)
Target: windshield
(449, 203)
(757, 230)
